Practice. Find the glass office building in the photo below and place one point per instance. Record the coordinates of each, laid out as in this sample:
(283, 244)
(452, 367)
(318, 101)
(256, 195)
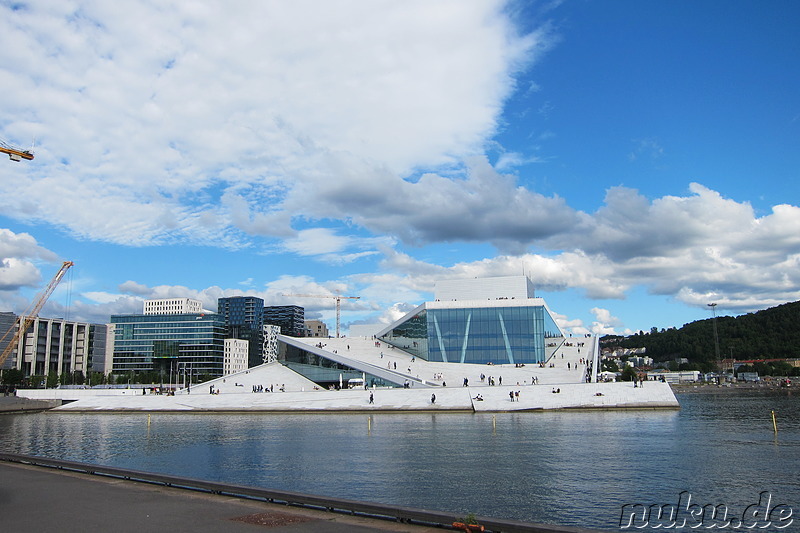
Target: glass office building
(515, 329)
(244, 319)
(160, 343)
(290, 318)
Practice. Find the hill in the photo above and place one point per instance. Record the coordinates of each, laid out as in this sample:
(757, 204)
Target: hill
(768, 334)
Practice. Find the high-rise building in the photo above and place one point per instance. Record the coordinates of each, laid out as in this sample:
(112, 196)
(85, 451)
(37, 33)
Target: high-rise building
(270, 351)
(7, 330)
(55, 345)
(290, 318)
(244, 319)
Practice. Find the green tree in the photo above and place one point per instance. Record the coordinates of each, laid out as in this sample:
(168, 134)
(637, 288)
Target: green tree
(628, 373)
(52, 380)
(13, 377)
(609, 365)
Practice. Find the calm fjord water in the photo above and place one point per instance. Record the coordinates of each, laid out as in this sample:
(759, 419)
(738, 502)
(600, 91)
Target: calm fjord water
(568, 468)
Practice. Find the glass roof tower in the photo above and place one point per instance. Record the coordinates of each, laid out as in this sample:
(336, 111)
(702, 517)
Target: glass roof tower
(482, 320)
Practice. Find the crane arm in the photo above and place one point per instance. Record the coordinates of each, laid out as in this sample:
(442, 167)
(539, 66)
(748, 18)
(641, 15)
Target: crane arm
(336, 297)
(24, 321)
(16, 155)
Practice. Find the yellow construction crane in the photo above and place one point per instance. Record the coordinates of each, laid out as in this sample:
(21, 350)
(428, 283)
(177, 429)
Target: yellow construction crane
(14, 153)
(336, 297)
(24, 321)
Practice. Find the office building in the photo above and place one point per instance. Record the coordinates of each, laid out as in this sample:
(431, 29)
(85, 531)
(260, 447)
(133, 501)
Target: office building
(290, 318)
(236, 356)
(270, 350)
(316, 328)
(7, 330)
(55, 345)
(244, 319)
(165, 343)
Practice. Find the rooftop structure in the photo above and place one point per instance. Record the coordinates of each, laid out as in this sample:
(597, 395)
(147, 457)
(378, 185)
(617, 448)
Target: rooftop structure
(172, 306)
(497, 288)
(487, 320)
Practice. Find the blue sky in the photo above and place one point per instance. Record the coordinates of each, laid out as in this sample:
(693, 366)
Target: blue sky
(637, 159)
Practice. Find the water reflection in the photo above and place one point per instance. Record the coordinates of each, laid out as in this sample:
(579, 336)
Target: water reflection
(571, 468)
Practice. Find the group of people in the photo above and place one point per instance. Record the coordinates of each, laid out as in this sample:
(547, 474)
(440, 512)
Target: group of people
(491, 382)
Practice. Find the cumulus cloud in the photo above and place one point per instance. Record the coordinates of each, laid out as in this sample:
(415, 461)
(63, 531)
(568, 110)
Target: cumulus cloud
(19, 254)
(698, 248)
(180, 123)
(693, 246)
(15, 273)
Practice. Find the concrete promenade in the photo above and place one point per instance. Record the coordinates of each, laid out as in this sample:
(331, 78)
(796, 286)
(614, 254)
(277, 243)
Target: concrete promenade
(44, 500)
(51, 495)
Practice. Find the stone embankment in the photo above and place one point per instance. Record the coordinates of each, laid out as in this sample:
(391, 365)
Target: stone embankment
(12, 404)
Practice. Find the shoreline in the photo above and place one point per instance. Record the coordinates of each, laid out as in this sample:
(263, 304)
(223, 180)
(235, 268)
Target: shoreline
(703, 388)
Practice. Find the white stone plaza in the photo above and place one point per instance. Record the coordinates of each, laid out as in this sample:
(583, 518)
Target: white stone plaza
(557, 384)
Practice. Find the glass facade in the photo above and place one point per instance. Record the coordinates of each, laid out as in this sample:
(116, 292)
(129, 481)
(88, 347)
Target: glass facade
(244, 318)
(158, 343)
(290, 318)
(497, 335)
(323, 371)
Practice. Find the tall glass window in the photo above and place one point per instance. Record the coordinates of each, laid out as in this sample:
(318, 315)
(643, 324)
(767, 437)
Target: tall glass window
(411, 335)
(497, 335)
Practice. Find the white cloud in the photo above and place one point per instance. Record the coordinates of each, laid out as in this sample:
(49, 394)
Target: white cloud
(604, 317)
(19, 253)
(16, 273)
(165, 118)
(327, 246)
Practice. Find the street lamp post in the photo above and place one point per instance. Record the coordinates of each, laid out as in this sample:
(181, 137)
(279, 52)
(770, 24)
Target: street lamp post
(713, 307)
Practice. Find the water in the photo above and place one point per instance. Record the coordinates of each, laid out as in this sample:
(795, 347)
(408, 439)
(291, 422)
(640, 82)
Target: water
(568, 468)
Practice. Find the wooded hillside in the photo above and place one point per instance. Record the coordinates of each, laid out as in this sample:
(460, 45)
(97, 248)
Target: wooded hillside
(771, 333)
